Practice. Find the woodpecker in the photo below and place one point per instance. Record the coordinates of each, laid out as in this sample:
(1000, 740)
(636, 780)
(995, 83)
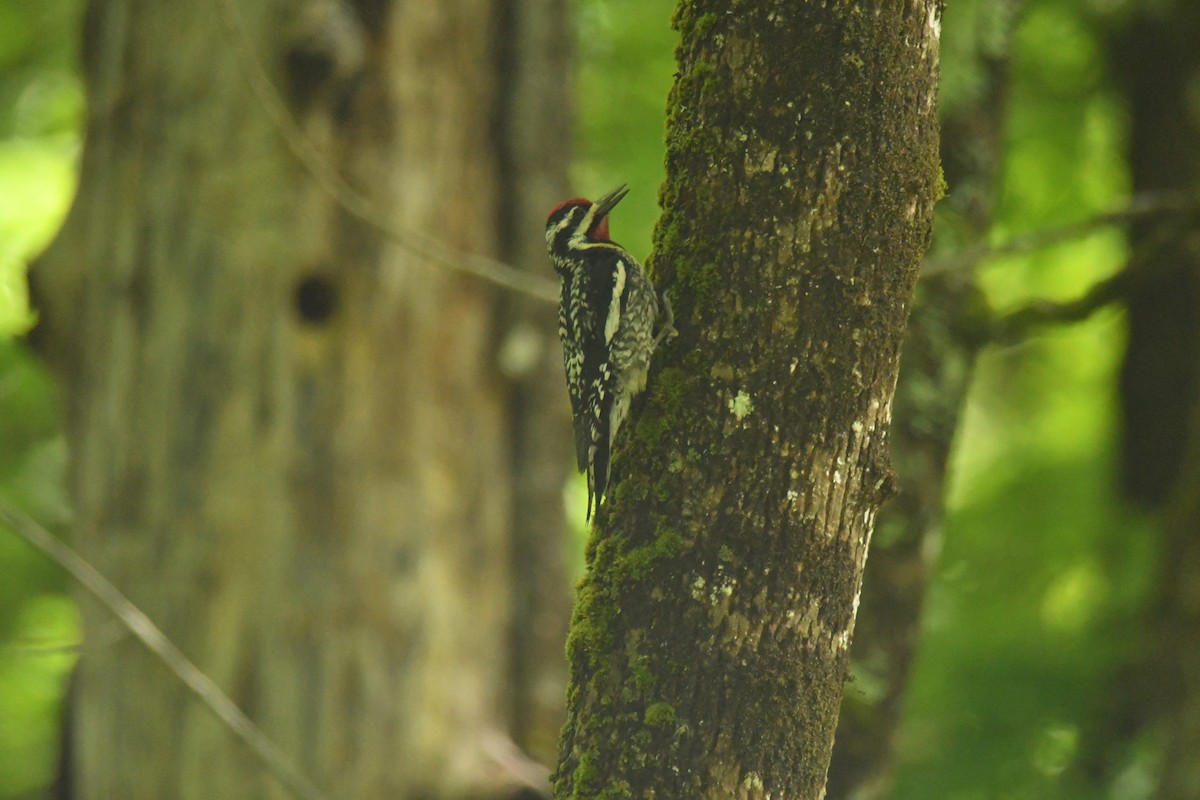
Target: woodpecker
(606, 320)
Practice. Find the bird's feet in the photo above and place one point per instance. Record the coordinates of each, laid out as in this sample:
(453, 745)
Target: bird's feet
(667, 331)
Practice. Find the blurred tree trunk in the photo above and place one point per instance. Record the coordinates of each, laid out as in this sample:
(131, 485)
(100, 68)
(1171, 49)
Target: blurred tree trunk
(291, 443)
(1156, 59)
(536, 61)
(936, 367)
(708, 647)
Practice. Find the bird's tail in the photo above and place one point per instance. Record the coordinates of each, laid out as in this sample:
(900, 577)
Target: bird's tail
(597, 474)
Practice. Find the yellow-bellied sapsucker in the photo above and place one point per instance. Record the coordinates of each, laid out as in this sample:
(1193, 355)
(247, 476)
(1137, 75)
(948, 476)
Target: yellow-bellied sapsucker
(606, 322)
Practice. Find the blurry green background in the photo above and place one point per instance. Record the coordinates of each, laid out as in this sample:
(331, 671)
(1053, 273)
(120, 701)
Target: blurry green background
(1042, 571)
(41, 118)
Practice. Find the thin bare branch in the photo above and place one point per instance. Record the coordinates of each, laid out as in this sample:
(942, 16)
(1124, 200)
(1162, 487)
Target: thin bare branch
(415, 242)
(1019, 324)
(44, 649)
(1146, 204)
(515, 764)
(1138, 271)
(157, 643)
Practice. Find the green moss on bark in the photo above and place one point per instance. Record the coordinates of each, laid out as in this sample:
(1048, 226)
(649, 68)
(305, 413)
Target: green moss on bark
(660, 715)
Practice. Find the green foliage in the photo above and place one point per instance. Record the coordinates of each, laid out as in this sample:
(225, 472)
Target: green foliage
(1043, 572)
(626, 64)
(33, 669)
(40, 119)
(1037, 594)
(36, 182)
(37, 620)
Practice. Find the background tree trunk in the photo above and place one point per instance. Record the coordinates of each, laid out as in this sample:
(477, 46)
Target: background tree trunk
(709, 641)
(535, 101)
(1158, 64)
(291, 443)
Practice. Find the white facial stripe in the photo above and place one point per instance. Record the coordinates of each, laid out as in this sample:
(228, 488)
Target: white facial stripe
(559, 228)
(586, 222)
(614, 306)
(580, 243)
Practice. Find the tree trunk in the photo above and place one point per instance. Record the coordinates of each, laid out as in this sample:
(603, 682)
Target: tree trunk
(708, 647)
(1158, 63)
(535, 58)
(290, 441)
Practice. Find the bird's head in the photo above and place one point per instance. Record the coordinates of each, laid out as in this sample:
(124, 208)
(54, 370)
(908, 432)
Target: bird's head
(580, 218)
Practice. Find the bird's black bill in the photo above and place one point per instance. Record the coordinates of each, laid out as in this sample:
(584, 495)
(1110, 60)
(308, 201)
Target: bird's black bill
(609, 201)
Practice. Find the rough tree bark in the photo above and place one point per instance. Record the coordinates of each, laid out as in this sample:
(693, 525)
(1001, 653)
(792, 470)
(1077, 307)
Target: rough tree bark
(290, 441)
(708, 646)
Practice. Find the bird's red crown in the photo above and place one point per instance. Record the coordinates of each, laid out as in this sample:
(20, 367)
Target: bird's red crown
(599, 227)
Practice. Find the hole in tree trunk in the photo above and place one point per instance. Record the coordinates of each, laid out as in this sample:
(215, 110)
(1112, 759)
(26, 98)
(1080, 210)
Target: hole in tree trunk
(316, 299)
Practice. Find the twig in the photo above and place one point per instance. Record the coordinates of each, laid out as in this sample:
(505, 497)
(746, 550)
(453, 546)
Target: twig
(1142, 205)
(515, 764)
(157, 643)
(1017, 325)
(42, 649)
(1142, 267)
(417, 243)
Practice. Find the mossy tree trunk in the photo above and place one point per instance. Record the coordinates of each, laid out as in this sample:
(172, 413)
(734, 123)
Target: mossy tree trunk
(709, 643)
(292, 438)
